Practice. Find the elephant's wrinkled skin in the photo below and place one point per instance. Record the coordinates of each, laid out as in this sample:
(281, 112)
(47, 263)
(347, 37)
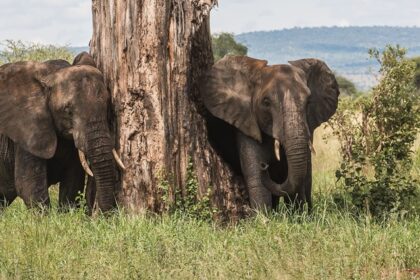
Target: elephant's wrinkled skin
(52, 115)
(262, 121)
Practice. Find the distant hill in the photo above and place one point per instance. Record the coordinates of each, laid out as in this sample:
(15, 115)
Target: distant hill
(345, 49)
(77, 50)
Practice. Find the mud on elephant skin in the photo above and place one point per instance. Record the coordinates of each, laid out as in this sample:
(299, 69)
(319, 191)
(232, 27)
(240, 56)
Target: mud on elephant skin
(262, 118)
(54, 119)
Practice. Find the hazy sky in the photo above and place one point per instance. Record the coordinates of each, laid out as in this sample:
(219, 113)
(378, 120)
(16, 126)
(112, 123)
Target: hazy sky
(250, 15)
(69, 21)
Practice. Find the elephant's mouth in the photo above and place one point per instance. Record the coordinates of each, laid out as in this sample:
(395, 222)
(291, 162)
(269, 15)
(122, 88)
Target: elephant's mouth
(278, 170)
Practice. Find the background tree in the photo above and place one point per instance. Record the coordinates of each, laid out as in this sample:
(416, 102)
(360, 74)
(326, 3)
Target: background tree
(347, 87)
(224, 43)
(153, 54)
(14, 51)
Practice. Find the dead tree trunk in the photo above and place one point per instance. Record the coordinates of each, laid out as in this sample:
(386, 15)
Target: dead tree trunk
(152, 54)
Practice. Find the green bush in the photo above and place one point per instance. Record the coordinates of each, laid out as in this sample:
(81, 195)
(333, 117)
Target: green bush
(14, 51)
(225, 44)
(376, 134)
(416, 60)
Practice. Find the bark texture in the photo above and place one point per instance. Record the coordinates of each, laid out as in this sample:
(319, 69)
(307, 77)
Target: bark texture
(152, 54)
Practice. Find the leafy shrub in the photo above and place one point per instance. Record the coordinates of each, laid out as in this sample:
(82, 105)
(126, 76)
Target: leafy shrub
(186, 201)
(14, 51)
(376, 134)
(416, 60)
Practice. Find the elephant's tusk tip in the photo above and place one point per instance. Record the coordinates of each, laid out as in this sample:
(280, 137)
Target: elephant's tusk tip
(118, 160)
(311, 147)
(277, 149)
(84, 163)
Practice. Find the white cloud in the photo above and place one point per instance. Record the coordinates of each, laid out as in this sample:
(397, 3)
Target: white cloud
(46, 21)
(344, 23)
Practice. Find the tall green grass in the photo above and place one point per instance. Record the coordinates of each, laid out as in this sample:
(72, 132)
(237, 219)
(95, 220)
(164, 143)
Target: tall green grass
(326, 245)
(329, 244)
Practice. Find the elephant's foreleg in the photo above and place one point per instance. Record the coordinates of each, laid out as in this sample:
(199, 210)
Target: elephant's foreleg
(7, 186)
(72, 184)
(275, 201)
(308, 184)
(6, 199)
(253, 163)
(7, 165)
(31, 178)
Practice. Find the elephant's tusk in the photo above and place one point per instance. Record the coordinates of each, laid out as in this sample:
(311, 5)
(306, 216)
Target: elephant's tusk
(84, 163)
(277, 149)
(118, 160)
(311, 147)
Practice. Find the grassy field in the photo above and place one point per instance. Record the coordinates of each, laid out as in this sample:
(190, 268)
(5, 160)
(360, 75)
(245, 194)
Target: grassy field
(330, 244)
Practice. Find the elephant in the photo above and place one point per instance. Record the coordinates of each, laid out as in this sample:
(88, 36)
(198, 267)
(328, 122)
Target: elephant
(261, 120)
(54, 118)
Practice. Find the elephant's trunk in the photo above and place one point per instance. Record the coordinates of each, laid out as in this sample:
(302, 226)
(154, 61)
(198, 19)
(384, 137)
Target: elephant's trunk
(297, 160)
(297, 150)
(101, 158)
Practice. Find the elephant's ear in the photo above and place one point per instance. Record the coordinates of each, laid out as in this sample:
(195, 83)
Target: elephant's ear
(24, 114)
(84, 58)
(324, 90)
(229, 89)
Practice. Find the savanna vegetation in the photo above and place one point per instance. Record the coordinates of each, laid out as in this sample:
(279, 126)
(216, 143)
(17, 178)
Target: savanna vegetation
(377, 132)
(13, 51)
(341, 239)
(416, 60)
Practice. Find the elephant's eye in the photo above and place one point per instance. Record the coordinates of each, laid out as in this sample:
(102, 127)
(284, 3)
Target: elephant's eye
(266, 102)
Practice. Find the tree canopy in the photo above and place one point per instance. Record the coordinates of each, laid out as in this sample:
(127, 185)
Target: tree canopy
(347, 87)
(224, 43)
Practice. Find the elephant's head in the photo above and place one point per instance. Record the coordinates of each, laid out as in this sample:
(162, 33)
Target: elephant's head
(42, 101)
(286, 102)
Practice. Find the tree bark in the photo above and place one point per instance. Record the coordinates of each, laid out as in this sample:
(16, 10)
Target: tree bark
(152, 54)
